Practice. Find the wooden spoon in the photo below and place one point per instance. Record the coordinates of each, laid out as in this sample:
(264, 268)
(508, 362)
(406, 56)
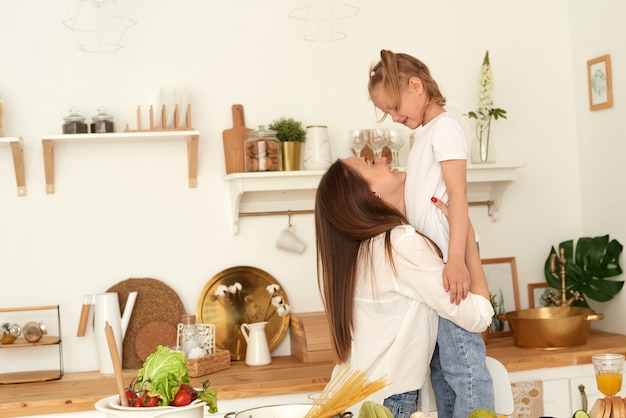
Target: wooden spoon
(117, 365)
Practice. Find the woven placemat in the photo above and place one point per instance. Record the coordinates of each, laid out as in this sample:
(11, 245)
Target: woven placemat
(156, 302)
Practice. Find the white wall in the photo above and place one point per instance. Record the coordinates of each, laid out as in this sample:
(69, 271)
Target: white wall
(596, 31)
(124, 210)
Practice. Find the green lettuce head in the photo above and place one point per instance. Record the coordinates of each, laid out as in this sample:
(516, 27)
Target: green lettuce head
(162, 374)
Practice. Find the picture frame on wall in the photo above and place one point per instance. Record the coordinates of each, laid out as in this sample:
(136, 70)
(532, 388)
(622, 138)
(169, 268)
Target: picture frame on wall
(599, 81)
(536, 292)
(503, 289)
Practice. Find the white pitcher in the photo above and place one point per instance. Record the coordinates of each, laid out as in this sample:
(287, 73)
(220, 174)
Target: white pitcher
(258, 351)
(107, 309)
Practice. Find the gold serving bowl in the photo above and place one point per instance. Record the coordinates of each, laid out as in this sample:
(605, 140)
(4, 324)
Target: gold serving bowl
(550, 328)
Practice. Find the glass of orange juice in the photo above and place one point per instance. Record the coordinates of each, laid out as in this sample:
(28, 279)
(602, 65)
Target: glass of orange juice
(609, 369)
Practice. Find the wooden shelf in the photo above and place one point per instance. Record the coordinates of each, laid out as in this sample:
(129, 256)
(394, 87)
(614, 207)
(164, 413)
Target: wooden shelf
(14, 377)
(271, 192)
(21, 342)
(30, 377)
(486, 184)
(191, 137)
(17, 149)
(282, 192)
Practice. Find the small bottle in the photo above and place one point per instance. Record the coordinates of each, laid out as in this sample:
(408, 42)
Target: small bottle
(75, 123)
(102, 122)
(34, 331)
(10, 332)
(189, 337)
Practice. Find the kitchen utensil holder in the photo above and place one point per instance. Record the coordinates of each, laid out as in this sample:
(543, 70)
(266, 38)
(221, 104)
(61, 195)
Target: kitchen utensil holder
(163, 127)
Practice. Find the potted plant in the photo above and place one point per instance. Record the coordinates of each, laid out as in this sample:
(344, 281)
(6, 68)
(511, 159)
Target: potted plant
(291, 135)
(587, 267)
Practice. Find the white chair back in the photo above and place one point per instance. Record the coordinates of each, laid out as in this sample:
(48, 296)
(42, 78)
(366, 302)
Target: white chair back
(501, 387)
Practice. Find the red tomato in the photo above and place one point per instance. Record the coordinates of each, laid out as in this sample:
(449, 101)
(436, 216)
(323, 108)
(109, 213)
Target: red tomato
(145, 400)
(182, 398)
(131, 396)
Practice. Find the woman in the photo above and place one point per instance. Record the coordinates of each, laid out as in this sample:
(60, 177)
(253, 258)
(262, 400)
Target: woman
(381, 281)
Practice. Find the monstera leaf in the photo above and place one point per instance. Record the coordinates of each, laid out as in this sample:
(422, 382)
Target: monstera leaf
(586, 269)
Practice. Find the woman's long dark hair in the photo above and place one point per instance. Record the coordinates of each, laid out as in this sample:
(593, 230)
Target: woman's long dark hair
(347, 216)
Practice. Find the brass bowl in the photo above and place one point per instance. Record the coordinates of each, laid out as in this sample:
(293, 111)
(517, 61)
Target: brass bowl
(550, 328)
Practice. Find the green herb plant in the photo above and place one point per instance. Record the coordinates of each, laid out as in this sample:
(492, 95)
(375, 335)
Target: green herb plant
(587, 268)
(288, 130)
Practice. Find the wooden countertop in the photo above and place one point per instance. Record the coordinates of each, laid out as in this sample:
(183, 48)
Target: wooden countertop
(79, 391)
(517, 359)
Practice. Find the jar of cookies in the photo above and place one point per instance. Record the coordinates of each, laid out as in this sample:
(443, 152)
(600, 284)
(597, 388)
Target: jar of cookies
(262, 151)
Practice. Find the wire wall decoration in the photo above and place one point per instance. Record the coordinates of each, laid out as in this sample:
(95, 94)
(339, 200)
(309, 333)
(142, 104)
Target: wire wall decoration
(99, 26)
(323, 18)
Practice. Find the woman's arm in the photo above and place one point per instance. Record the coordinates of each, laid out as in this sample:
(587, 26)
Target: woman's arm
(418, 277)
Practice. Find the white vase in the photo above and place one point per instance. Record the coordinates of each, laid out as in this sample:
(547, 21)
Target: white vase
(258, 350)
(316, 148)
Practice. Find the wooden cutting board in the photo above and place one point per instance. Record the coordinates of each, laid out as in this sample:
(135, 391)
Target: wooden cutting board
(157, 312)
(233, 141)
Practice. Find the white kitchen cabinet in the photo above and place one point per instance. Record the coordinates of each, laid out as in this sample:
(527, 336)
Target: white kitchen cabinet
(23, 361)
(283, 192)
(190, 137)
(561, 396)
(17, 149)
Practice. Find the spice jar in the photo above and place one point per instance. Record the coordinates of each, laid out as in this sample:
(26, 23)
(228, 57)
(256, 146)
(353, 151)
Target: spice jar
(10, 332)
(190, 339)
(102, 122)
(75, 123)
(262, 151)
(34, 331)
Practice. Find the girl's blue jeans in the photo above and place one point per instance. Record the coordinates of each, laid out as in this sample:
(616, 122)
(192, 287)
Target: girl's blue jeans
(458, 372)
(403, 405)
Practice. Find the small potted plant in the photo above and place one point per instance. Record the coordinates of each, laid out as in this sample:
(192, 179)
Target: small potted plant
(291, 135)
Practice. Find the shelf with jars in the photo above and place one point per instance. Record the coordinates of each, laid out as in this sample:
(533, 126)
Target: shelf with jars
(20, 333)
(293, 192)
(189, 136)
(17, 149)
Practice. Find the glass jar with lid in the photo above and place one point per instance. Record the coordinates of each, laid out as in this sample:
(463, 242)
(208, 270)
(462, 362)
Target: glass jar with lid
(102, 122)
(75, 123)
(262, 151)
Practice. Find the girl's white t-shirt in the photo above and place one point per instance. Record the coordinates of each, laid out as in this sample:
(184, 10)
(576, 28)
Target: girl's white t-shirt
(441, 139)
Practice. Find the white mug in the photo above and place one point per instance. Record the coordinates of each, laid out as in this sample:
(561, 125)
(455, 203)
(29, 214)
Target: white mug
(288, 241)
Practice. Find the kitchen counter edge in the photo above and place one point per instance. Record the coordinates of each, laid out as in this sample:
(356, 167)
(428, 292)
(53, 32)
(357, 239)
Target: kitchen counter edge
(79, 391)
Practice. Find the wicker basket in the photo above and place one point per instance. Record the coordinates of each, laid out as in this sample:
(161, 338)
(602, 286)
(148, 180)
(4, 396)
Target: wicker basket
(220, 360)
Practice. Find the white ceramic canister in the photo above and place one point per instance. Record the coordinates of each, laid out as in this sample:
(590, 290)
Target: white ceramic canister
(316, 148)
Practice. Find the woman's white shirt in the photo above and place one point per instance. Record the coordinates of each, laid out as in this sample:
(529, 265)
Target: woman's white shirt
(396, 313)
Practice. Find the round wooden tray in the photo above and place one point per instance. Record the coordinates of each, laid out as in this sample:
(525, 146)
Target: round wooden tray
(227, 319)
(157, 312)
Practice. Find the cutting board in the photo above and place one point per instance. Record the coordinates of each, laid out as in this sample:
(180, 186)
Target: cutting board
(233, 141)
(157, 312)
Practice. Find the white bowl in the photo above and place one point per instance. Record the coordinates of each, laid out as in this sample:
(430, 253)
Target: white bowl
(113, 409)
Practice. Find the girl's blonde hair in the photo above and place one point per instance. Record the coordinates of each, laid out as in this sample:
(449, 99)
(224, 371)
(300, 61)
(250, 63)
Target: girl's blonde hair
(394, 71)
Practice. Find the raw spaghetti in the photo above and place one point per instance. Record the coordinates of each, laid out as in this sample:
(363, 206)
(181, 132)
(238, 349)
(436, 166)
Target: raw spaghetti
(346, 388)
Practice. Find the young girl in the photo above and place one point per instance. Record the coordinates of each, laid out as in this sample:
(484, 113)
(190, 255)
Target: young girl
(401, 86)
